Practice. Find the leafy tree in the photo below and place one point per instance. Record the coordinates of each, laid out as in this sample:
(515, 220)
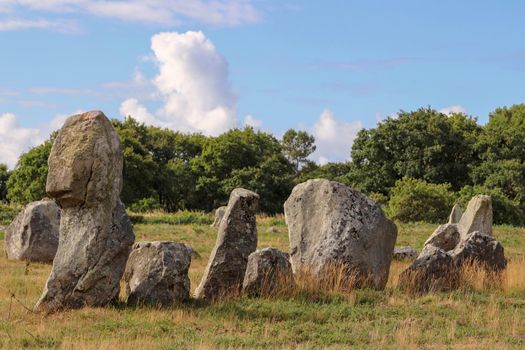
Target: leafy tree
(416, 200)
(297, 146)
(27, 182)
(242, 158)
(423, 144)
(330, 171)
(4, 177)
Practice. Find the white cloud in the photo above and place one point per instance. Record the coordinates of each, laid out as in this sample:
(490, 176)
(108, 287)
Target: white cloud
(453, 109)
(132, 107)
(163, 12)
(20, 24)
(15, 139)
(334, 138)
(192, 84)
(255, 123)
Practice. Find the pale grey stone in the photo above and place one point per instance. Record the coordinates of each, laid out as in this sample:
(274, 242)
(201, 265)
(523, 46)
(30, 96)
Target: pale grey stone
(157, 273)
(33, 234)
(330, 224)
(481, 249)
(445, 237)
(477, 217)
(267, 270)
(455, 215)
(219, 214)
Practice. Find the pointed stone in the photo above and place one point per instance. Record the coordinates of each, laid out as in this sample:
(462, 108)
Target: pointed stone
(236, 240)
(455, 215)
(477, 217)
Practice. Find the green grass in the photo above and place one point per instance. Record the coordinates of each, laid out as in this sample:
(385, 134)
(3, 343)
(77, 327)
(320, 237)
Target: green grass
(362, 319)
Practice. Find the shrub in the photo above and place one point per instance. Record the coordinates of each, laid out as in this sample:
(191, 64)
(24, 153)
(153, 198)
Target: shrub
(8, 213)
(145, 205)
(417, 200)
(505, 210)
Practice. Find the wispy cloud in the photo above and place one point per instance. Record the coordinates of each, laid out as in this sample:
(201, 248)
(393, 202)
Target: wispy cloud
(66, 26)
(155, 12)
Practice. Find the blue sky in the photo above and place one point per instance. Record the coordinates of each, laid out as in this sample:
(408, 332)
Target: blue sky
(329, 67)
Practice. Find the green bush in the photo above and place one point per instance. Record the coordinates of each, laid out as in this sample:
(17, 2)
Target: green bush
(145, 205)
(505, 210)
(414, 200)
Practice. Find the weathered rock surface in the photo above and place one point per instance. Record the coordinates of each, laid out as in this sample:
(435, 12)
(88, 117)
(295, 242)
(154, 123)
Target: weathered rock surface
(219, 214)
(432, 271)
(236, 240)
(451, 246)
(85, 178)
(330, 224)
(455, 215)
(445, 237)
(267, 270)
(404, 253)
(33, 234)
(477, 217)
(481, 249)
(157, 273)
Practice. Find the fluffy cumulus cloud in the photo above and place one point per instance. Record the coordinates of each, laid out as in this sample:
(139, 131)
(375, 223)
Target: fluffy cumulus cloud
(15, 139)
(333, 138)
(192, 84)
(157, 12)
(453, 109)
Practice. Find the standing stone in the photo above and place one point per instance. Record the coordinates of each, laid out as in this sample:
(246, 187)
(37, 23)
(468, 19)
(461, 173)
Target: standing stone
(157, 273)
(404, 253)
(236, 240)
(330, 224)
(268, 271)
(432, 271)
(33, 234)
(85, 178)
(477, 217)
(455, 215)
(445, 237)
(219, 214)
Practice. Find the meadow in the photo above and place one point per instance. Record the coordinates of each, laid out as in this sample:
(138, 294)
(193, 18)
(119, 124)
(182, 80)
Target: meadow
(476, 316)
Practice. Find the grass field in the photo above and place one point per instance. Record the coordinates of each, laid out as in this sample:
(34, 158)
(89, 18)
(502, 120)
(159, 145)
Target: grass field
(473, 317)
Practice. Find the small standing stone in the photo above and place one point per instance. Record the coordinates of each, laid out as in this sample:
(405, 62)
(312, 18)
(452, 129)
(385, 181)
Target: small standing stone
(157, 273)
(236, 240)
(33, 234)
(455, 215)
(219, 214)
(268, 271)
(477, 217)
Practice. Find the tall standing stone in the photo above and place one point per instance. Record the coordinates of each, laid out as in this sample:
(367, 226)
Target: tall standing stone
(330, 224)
(236, 240)
(33, 234)
(85, 178)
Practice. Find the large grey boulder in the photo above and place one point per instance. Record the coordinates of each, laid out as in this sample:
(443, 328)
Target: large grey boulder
(85, 178)
(404, 253)
(33, 234)
(477, 217)
(268, 271)
(157, 273)
(236, 240)
(432, 271)
(219, 214)
(445, 237)
(481, 249)
(331, 225)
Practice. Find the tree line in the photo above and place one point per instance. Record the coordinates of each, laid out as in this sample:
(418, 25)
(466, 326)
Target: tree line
(421, 156)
